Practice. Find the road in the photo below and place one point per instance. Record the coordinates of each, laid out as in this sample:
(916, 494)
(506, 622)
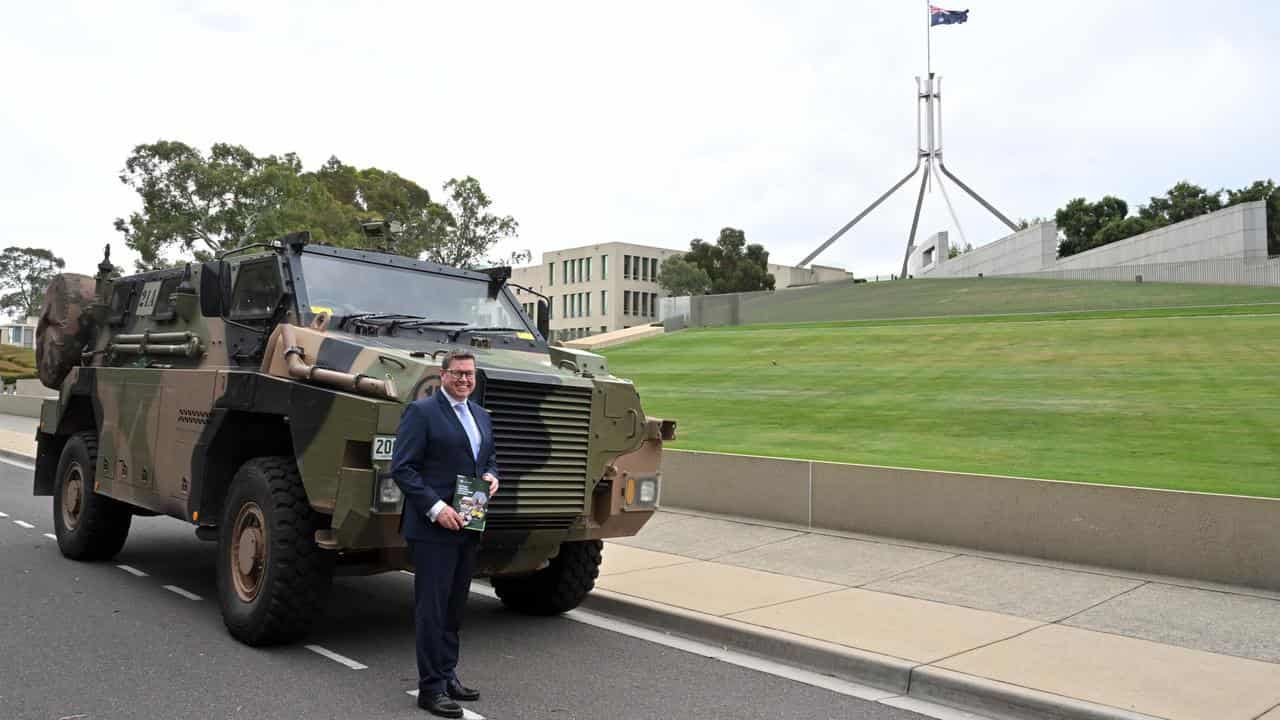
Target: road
(98, 641)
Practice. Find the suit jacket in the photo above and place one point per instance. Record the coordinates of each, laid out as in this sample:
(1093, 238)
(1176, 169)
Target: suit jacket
(431, 450)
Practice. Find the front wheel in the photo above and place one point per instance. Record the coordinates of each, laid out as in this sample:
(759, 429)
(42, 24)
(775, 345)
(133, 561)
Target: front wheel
(88, 526)
(557, 588)
(273, 579)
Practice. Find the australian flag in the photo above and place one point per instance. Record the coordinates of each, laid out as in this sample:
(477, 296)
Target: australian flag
(938, 16)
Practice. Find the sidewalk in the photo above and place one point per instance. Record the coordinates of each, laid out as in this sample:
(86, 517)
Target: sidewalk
(999, 635)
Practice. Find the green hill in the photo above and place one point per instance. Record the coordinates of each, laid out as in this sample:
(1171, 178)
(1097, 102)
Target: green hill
(17, 363)
(1185, 398)
(973, 296)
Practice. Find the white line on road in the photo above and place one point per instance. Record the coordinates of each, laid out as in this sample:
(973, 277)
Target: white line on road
(184, 593)
(2, 515)
(341, 659)
(751, 662)
(138, 573)
(466, 714)
(51, 536)
(21, 523)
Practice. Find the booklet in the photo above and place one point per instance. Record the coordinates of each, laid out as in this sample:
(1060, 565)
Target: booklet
(471, 501)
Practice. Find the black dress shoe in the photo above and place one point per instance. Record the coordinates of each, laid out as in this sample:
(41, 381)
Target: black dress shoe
(458, 691)
(439, 704)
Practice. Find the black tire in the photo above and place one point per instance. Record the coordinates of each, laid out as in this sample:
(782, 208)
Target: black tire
(88, 526)
(285, 584)
(557, 588)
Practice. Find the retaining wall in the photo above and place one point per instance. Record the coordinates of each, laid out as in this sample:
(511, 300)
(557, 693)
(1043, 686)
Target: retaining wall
(1217, 538)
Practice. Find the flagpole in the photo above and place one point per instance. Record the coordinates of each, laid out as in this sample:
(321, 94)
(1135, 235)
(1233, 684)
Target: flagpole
(928, 36)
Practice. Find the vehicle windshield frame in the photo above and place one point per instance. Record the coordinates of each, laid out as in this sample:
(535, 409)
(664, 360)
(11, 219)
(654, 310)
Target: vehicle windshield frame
(301, 292)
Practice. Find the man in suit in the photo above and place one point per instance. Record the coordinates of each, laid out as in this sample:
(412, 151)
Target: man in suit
(440, 437)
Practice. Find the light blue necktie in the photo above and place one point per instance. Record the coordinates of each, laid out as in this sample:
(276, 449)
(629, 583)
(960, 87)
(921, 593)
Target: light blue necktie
(469, 425)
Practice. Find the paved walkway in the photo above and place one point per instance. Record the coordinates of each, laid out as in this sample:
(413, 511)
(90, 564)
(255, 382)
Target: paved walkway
(1155, 646)
(945, 623)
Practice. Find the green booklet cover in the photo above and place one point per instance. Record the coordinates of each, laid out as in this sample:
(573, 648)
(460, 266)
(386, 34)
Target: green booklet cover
(471, 501)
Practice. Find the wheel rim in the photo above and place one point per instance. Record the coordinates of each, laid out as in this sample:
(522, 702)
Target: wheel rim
(72, 496)
(248, 551)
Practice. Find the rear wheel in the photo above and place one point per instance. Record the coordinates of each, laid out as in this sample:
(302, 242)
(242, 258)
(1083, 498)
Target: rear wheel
(88, 526)
(273, 579)
(559, 587)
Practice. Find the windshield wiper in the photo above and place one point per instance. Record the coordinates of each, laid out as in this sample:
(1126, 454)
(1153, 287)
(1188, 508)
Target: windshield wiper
(453, 336)
(376, 318)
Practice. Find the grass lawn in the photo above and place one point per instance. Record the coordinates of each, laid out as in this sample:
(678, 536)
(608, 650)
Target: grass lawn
(1186, 400)
(17, 363)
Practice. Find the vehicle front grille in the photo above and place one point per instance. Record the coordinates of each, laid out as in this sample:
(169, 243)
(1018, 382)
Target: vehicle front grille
(541, 433)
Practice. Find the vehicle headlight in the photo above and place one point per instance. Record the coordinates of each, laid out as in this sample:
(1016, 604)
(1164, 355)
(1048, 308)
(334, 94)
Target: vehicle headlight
(648, 491)
(388, 492)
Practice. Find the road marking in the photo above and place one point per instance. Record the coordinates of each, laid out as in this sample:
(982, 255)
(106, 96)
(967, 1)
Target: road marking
(15, 463)
(466, 714)
(751, 662)
(138, 573)
(177, 590)
(2, 515)
(21, 523)
(51, 536)
(341, 659)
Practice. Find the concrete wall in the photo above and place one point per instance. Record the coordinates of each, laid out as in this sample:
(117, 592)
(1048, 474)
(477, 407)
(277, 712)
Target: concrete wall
(1030, 250)
(22, 405)
(1218, 538)
(1238, 232)
(925, 258)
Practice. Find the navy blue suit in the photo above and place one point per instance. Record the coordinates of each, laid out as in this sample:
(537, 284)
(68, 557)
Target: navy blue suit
(431, 450)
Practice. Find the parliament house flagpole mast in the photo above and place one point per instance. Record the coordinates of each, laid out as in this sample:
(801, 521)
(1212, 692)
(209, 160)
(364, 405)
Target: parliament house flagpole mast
(928, 154)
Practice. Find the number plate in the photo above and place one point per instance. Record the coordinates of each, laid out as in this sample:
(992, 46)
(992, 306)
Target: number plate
(147, 300)
(383, 446)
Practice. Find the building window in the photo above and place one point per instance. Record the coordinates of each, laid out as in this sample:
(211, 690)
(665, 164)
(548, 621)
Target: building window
(587, 275)
(626, 267)
(604, 267)
(551, 274)
(653, 304)
(626, 302)
(604, 328)
(644, 268)
(586, 299)
(653, 271)
(604, 302)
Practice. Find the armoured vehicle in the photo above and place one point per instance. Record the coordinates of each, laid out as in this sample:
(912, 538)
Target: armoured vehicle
(257, 396)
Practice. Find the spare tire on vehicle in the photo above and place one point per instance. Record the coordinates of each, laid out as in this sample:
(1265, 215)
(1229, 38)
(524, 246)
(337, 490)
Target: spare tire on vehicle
(65, 328)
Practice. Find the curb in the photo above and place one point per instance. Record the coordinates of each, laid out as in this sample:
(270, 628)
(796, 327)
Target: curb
(990, 698)
(17, 456)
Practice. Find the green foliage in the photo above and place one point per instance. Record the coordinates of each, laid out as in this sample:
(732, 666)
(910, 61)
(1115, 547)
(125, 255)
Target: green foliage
(24, 275)
(1182, 202)
(1080, 220)
(1121, 229)
(199, 205)
(464, 226)
(955, 251)
(1024, 223)
(679, 277)
(17, 363)
(731, 264)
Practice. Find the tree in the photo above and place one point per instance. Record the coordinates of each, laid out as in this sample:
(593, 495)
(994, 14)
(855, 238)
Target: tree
(24, 275)
(1262, 190)
(1182, 202)
(1121, 229)
(679, 277)
(463, 229)
(201, 205)
(1080, 220)
(731, 264)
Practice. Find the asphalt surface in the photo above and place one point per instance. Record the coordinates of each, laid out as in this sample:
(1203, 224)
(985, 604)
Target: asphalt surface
(93, 641)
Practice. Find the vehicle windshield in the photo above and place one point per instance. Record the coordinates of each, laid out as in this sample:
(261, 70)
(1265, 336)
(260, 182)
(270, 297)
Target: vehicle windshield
(350, 287)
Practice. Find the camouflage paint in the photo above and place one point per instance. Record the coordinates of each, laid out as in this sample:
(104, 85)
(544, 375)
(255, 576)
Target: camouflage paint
(570, 432)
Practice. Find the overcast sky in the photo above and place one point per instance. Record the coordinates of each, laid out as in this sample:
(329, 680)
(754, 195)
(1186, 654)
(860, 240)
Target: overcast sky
(649, 122)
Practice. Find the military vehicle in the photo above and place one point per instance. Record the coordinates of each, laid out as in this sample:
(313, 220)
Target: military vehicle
(257, 398)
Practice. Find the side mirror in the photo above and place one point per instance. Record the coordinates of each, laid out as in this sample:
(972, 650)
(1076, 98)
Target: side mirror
(211, 289)
(544, 320)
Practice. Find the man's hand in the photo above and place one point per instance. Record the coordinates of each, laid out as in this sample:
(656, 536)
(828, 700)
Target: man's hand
(449, 518)
(493, 483)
